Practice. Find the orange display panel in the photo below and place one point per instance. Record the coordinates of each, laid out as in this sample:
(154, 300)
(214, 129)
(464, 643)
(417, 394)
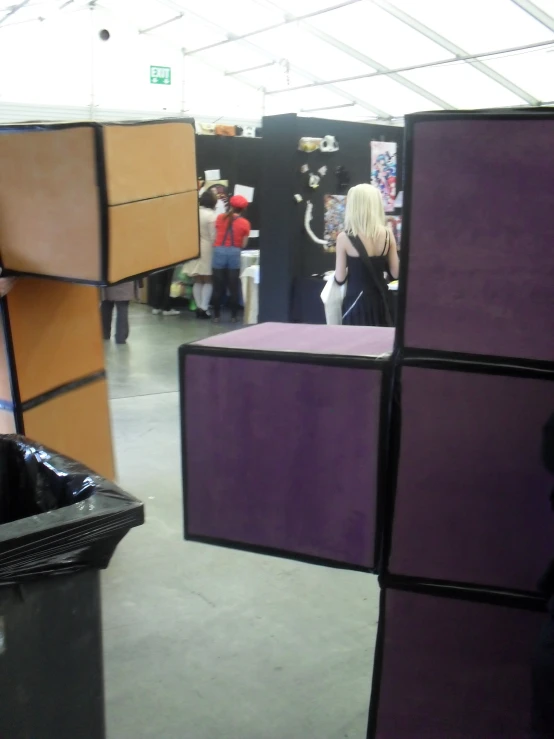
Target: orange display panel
(161, 229)
(49, 202)
(77, 424)
(60, 182)
(56, 334)
(148, 161)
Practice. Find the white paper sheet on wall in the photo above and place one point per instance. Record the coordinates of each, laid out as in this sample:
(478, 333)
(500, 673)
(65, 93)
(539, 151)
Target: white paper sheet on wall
(213, 174)
(245, 191)
(254, 234)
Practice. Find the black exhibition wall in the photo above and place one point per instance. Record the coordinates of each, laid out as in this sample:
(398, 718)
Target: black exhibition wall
(238, 158)
(354, 155)
(288, 254)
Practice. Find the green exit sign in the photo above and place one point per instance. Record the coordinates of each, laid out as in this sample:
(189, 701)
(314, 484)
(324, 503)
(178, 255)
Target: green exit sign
(160, 75)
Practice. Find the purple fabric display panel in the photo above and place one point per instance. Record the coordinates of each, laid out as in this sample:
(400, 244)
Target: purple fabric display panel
(481, 263)
(282, 456)
(472, 498)
(454, 669)
(338, 341)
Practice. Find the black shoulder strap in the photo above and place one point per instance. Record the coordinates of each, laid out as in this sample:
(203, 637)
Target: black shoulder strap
(231, 231)
(375, 280)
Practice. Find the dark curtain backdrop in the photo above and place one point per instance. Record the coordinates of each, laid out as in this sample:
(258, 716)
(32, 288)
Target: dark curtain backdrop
(355, 156)
(238, 160)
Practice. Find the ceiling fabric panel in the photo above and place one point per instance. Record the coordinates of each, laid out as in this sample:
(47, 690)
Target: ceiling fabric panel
(238, 18)
(381, 36)
(274, 77)
(534, 71)
(388, 95)
(353, 59)
(310, 100)
(233, 57)
(304, 50)
(464, 85)
(478, 25)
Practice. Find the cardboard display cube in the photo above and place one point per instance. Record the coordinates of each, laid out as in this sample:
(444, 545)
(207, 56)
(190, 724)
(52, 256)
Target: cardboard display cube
(472, 497)
(52, 380)
(280, 427)
(477, 267)
(97, 203)
(453, 669)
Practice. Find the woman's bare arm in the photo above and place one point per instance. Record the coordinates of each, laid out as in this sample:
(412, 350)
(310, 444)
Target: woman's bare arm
(392, 256)
(340, 261)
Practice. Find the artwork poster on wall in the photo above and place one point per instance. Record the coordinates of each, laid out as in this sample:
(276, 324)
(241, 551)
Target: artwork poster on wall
(333, 215)
(395, 225)
(383, 171)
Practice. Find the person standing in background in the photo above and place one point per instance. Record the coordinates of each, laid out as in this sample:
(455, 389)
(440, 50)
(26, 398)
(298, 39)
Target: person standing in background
(118, 296)
(159, 292)
(201, 269)
(232, 232)
(366, 249)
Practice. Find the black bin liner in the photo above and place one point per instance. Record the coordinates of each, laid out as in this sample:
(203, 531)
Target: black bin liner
(56, 516)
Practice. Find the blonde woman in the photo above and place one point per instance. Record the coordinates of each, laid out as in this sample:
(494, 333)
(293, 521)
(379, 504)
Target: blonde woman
(366, 249)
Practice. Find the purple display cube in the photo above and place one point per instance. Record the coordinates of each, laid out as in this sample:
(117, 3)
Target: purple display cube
(478, 262)
(452, 669)
(280, 440)
(472, 497)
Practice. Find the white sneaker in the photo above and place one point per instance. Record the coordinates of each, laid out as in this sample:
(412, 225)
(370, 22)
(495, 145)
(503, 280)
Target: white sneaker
(171, 313)
(156, 311)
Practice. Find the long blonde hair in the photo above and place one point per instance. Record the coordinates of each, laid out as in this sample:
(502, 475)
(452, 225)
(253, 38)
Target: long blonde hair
(364, 215)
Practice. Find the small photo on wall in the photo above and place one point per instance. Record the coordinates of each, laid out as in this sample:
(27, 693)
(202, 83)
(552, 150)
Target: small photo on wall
(383, 171)
(395, 225)
(333, 215)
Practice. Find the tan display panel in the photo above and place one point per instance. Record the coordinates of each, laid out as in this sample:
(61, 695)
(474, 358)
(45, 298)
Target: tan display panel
(52, 380)
(77, 424)
(56, 184)
(56, 334)
(149, 160)
(49, 206)
(162, 230)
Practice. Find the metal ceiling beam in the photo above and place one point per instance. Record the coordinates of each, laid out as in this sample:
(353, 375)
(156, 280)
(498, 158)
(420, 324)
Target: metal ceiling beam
(536, 12)
(163, 23)
(14, 10)
(454, 49)
(427, 65)
(376, 66)
(288, 19)
(363, 58)
(293, 68)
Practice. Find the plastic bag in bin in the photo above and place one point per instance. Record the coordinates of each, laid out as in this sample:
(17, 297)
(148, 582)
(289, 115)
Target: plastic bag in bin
(56, 516)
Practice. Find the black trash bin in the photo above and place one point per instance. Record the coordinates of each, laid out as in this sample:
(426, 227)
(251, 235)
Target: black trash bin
(59, 525)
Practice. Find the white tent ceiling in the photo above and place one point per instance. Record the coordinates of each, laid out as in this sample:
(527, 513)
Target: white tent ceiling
(355, 59)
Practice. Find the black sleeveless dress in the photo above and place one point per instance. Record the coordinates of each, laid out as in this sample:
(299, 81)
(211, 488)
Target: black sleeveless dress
(366, 302)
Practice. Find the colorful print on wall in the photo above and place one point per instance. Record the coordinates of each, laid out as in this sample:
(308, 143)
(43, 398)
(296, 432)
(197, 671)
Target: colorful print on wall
(383, 171)
(334, 207)
(395, 225)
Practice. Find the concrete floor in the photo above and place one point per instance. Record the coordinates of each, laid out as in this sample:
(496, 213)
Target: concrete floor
(209, 643)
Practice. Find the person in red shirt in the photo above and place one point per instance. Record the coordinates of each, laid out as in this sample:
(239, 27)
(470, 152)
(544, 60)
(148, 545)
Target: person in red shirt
(231, 236)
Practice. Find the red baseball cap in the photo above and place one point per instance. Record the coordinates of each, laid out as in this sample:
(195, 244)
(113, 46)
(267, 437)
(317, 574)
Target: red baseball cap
(238, 201)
